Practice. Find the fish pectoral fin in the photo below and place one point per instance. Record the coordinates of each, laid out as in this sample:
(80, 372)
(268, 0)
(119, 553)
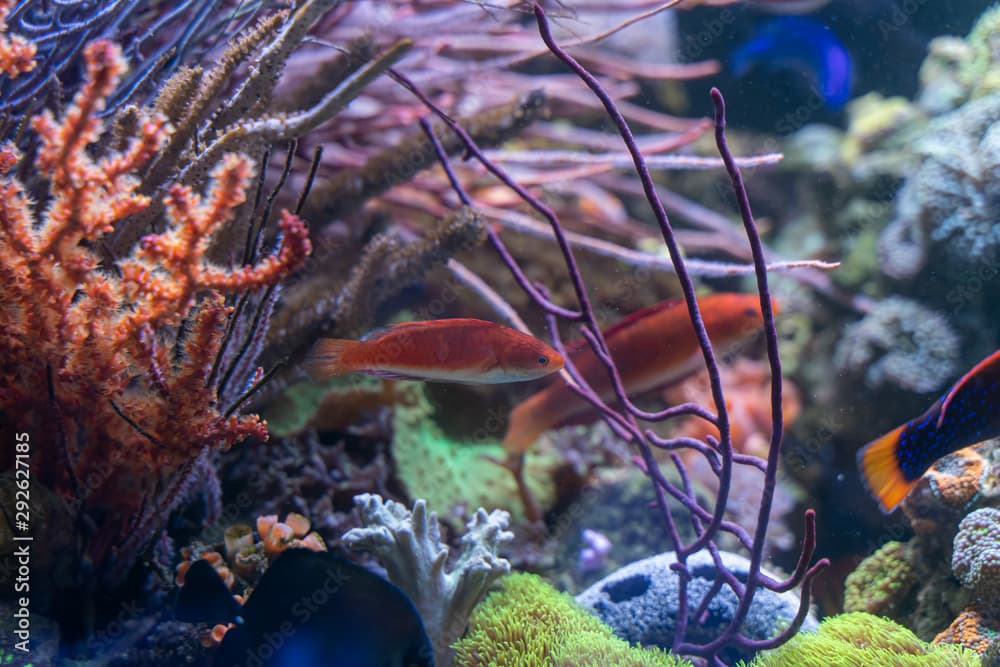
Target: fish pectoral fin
(878, 462)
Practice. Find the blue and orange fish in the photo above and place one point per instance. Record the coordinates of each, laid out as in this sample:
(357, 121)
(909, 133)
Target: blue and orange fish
(967, 415)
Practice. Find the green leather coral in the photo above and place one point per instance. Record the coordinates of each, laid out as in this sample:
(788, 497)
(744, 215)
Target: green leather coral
(530, 624)
(450, 474)
(858, 638)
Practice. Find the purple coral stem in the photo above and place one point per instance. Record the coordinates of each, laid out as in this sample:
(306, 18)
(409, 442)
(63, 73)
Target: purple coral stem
(732, 632)
(801, 575)
(626, 423)
(683, 277)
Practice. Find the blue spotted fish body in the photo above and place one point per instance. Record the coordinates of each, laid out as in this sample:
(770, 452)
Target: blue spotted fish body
(968, 414)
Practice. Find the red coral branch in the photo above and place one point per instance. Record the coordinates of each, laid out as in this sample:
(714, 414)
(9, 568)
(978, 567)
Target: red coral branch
(17, 55)
(91, 362)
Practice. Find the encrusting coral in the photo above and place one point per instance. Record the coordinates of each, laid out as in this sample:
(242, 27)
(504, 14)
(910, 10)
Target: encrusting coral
(953, 487)
(457, 476)
(942, 583)
(874, 347)
(110, 368)
(975, 557)
(949, 200)
(881, 583)
(972, 629)
(528, 623)
(975, 561)
(408, 545)
(863, 639)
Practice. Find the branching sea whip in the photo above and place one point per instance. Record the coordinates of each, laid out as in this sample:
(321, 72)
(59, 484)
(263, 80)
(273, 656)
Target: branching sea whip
(707, 522)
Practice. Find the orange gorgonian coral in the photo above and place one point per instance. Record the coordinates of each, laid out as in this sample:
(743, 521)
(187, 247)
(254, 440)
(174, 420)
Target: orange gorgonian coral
(17, 55)
(109, 368)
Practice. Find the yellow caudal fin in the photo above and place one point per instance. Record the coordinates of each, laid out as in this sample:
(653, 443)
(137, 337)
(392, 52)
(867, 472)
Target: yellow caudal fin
(326, 358)
(878, 462)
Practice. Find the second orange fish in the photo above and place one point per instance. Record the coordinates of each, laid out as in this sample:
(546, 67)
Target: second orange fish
(455, 350)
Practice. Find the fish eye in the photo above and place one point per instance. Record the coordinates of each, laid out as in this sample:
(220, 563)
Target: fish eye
(542, 361)
(750, 312)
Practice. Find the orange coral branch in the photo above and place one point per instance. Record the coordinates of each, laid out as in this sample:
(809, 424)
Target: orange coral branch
(178, 254)
(87, 196)
(17, 55)
(91, 361)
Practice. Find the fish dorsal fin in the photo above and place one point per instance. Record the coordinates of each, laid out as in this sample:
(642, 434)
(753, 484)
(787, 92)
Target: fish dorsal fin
(978, 369)
(378, 332)
(642, 314)
(579, 346)
(423, 325)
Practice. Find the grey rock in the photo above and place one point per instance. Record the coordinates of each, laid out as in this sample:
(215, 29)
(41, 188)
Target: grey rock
(640, 602)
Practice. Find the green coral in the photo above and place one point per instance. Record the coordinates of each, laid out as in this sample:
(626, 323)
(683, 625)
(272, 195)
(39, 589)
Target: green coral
(881, 582)
(848, 640)
(959, 70)
(872, 118)
(293, 410)
(982, 72)
(530, 624)
(450, 474)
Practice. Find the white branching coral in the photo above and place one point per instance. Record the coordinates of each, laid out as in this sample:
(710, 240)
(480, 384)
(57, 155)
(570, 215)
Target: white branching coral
(408, 545)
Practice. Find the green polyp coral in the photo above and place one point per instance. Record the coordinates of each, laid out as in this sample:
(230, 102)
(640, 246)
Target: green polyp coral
(982, 72)
(881, 582)
(452, 475)
(853, 639)
(530, 624)
(958, 70)
(295, 409)
(872, 118)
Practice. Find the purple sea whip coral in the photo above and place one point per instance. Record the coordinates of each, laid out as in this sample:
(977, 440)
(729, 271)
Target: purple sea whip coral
(625, 420)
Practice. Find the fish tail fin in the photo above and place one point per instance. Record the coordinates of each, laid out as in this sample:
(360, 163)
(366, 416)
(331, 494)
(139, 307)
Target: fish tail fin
(326, 358)
(878, 462)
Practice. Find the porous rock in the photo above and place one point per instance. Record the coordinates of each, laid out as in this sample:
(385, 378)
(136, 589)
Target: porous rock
(640, 601)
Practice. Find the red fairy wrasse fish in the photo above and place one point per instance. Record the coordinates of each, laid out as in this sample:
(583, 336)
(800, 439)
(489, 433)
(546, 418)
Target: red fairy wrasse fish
(454, 350)
(652, 347)
(968, 414)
